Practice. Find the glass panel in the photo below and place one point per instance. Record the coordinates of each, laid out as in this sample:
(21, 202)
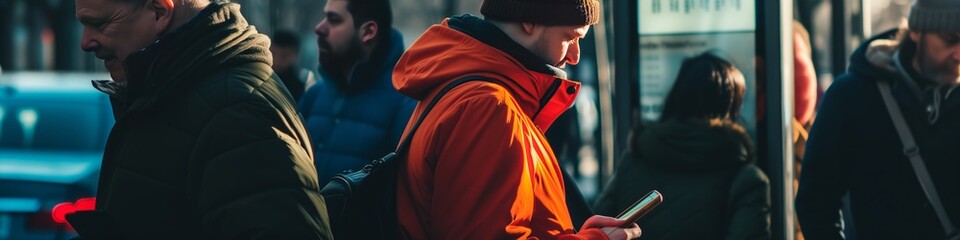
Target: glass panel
(673, 30)
(888, 14)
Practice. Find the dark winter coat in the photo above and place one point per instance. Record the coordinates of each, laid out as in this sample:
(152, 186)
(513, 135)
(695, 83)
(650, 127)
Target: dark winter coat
(711, 189)
(854, 148)
(207, 143)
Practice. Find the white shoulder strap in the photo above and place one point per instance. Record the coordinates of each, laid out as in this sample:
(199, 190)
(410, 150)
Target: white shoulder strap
(912, 152)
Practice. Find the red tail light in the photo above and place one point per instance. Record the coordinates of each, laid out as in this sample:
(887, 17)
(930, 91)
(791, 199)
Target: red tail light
(86, 204)
(60, 211)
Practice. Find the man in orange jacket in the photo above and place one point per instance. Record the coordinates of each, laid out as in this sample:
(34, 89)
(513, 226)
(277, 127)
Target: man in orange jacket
(479, 167)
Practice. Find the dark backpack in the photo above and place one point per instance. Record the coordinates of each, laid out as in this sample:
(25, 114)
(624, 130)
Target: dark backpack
(362, 204)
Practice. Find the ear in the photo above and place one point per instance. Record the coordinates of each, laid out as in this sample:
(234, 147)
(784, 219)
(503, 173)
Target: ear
(163, 10)
(915, 36)
(528, 28)
(368, 31)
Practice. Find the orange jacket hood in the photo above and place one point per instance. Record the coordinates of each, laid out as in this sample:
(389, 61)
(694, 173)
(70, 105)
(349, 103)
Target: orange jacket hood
(443, 54)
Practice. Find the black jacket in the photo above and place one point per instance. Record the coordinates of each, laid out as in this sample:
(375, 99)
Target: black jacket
(854, 148)
(704, 169)
(207, 144)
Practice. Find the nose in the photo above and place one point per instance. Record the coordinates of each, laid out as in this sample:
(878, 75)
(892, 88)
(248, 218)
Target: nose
(322, 28)
(572, 56)
(87, 42)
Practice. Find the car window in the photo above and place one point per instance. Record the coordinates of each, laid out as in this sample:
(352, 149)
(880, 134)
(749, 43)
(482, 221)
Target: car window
(56, 119)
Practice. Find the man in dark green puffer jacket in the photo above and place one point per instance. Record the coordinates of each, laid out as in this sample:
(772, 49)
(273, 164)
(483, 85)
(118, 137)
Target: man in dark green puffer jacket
(207, 143)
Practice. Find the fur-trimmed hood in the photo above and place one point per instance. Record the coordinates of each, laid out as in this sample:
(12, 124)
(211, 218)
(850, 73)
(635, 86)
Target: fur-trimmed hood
(883, 58)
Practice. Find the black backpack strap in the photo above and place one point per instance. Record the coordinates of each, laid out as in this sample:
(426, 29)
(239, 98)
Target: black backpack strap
(405, 143)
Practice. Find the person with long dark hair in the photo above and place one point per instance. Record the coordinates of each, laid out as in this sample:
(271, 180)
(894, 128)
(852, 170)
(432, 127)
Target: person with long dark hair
(699, 158)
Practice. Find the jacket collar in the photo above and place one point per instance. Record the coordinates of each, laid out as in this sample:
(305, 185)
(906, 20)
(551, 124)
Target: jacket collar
(883, 59)
(134, 63)
(138, 64)
(216, 38)
(926, 90)
(490, 34)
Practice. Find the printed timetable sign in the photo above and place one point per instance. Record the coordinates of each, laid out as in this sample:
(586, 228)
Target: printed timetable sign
(696, 16)
(673, 30)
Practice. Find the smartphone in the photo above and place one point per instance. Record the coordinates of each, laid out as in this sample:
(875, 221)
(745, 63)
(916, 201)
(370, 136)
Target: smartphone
(640, 208)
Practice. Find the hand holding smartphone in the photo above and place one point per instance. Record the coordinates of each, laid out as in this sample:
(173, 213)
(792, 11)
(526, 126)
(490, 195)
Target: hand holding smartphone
(640, 208)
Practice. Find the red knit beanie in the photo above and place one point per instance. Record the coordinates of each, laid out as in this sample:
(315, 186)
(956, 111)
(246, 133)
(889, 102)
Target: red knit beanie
(548, 12)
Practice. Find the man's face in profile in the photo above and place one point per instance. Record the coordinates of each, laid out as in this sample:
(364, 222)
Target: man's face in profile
(940, 56)
(560, 45)
(337, 36)
(114, 29)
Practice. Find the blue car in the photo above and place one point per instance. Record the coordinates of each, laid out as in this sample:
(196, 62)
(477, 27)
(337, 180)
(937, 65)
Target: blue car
(53, 128)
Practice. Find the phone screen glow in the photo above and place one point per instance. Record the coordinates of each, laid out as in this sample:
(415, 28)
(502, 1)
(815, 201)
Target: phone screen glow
(636, 207)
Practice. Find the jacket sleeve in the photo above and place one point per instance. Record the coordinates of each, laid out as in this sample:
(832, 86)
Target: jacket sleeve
(483, 184)
(749, 205)
(822, 181)
(255, 180)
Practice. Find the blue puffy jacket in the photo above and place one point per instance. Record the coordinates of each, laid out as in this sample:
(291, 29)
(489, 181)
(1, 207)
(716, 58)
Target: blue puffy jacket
(354, 124)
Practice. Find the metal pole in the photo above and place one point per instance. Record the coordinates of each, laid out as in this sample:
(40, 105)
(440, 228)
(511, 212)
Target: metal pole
(604, 85)
(625, 88)
(616, 100)
(778, 16)
(34, 44)
(67, 56)
(838, 36)
(6, 34)
(14, 52)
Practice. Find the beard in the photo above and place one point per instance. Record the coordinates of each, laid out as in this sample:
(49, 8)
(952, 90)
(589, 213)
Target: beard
(336, 61)
(945, 72)
(543, 51)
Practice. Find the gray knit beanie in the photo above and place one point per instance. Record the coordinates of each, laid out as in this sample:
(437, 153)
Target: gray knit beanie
(935, 16)
(549, 12)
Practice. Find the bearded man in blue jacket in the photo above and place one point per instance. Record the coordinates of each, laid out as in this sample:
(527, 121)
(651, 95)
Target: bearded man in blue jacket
(353, 113)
